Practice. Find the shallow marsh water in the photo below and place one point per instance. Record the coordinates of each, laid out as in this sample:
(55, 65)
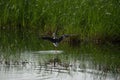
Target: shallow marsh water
(86, 62)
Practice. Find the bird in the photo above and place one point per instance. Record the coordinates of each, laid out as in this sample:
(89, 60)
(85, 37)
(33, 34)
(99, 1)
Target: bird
(55, 40)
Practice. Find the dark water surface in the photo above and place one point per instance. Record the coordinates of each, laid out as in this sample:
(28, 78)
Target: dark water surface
(86, 62)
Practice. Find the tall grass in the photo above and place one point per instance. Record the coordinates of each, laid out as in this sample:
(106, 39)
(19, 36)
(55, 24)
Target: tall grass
(97, 19)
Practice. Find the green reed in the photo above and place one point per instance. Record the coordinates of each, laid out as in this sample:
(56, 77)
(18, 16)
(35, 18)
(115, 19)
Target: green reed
(98, 19)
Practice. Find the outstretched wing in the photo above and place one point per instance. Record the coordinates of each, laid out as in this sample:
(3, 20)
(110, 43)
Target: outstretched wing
(62, 37)
(47, 38)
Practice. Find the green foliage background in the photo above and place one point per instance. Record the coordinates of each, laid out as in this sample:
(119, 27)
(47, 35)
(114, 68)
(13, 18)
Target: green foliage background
(95, 19)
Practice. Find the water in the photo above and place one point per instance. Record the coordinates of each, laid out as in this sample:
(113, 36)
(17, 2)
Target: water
(87, 62)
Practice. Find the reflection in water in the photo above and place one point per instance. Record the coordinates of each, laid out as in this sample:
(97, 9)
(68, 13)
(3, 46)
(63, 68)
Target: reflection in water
(78, 65)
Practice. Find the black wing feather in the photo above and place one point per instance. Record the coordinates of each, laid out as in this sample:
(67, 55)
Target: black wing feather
(56, 39)
(47, 38)
(62, 37)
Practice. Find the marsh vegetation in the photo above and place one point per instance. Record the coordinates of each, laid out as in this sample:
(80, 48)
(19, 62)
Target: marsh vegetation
(98, 19)
(93, 54)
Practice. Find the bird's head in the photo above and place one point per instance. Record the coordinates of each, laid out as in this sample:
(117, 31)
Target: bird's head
(54, 35)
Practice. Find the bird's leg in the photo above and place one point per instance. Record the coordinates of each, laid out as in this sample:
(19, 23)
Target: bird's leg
(55, 50)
